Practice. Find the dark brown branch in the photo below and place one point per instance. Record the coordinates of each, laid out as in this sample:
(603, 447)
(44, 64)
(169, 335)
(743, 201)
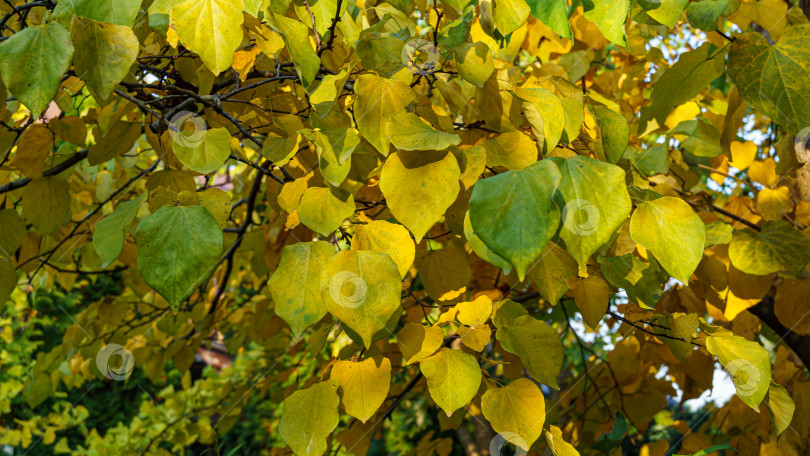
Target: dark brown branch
(19, 183)
(800, 344)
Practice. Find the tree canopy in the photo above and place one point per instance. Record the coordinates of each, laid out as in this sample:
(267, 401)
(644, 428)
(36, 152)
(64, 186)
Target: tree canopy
(421, 227)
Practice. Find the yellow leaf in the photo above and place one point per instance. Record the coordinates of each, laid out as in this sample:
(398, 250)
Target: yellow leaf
(764, 172)
(417, 341)
(748, 364)
(211, 28)
(592, 296)
(743, 154)
(364, 385)
(419, 187)
(378, 100)
(243, 61)
(771, 204)
(385, 237)
(474, 313)
(558, 446)
(475, 338)
(517, 412)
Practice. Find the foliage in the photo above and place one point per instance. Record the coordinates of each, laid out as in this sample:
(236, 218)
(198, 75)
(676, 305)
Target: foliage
(404, 227)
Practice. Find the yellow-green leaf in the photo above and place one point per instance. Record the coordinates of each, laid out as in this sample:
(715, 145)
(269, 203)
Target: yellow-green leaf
(204, 151)
(309, 416)
(777, 247)
(296, 284)
(453, 378)
(772, 78)
(361, 289)
(296, 36)
(323, 210)
(595, 204)
(551, 272)
(32, 62)
(408, 132)
(105, 52)
(537, 345)
(746, 362)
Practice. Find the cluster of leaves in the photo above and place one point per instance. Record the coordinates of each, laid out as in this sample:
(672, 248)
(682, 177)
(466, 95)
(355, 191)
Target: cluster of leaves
(381, 205)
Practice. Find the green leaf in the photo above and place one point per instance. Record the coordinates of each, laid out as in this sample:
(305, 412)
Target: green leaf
(609, 16)
(474, 62)
(363, 385)
(704, 14)
(509, 15)
(537, 345)
(773, 79)
(178, 249)
(595, 204)
(378, 100)
(118, 12)
(519, 408)
(296, 36)
(482, 250)
(639, 279)
(514, 214)
(361, 289)
(32, 63)
(651, 161)
(296, 284)
(419, 187)
(323, 210)
(108, 238)
(614, 133)
(551, 272)
(777, 247)
(309, 416)
(747, 363)
(204, 151)
(408, 132)
(682, 81)
(702, 138)
(453, 378)
(105, 54)
(211, 28)
(553, 13)
(670, 229)
(46, 203)
(666, 12)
